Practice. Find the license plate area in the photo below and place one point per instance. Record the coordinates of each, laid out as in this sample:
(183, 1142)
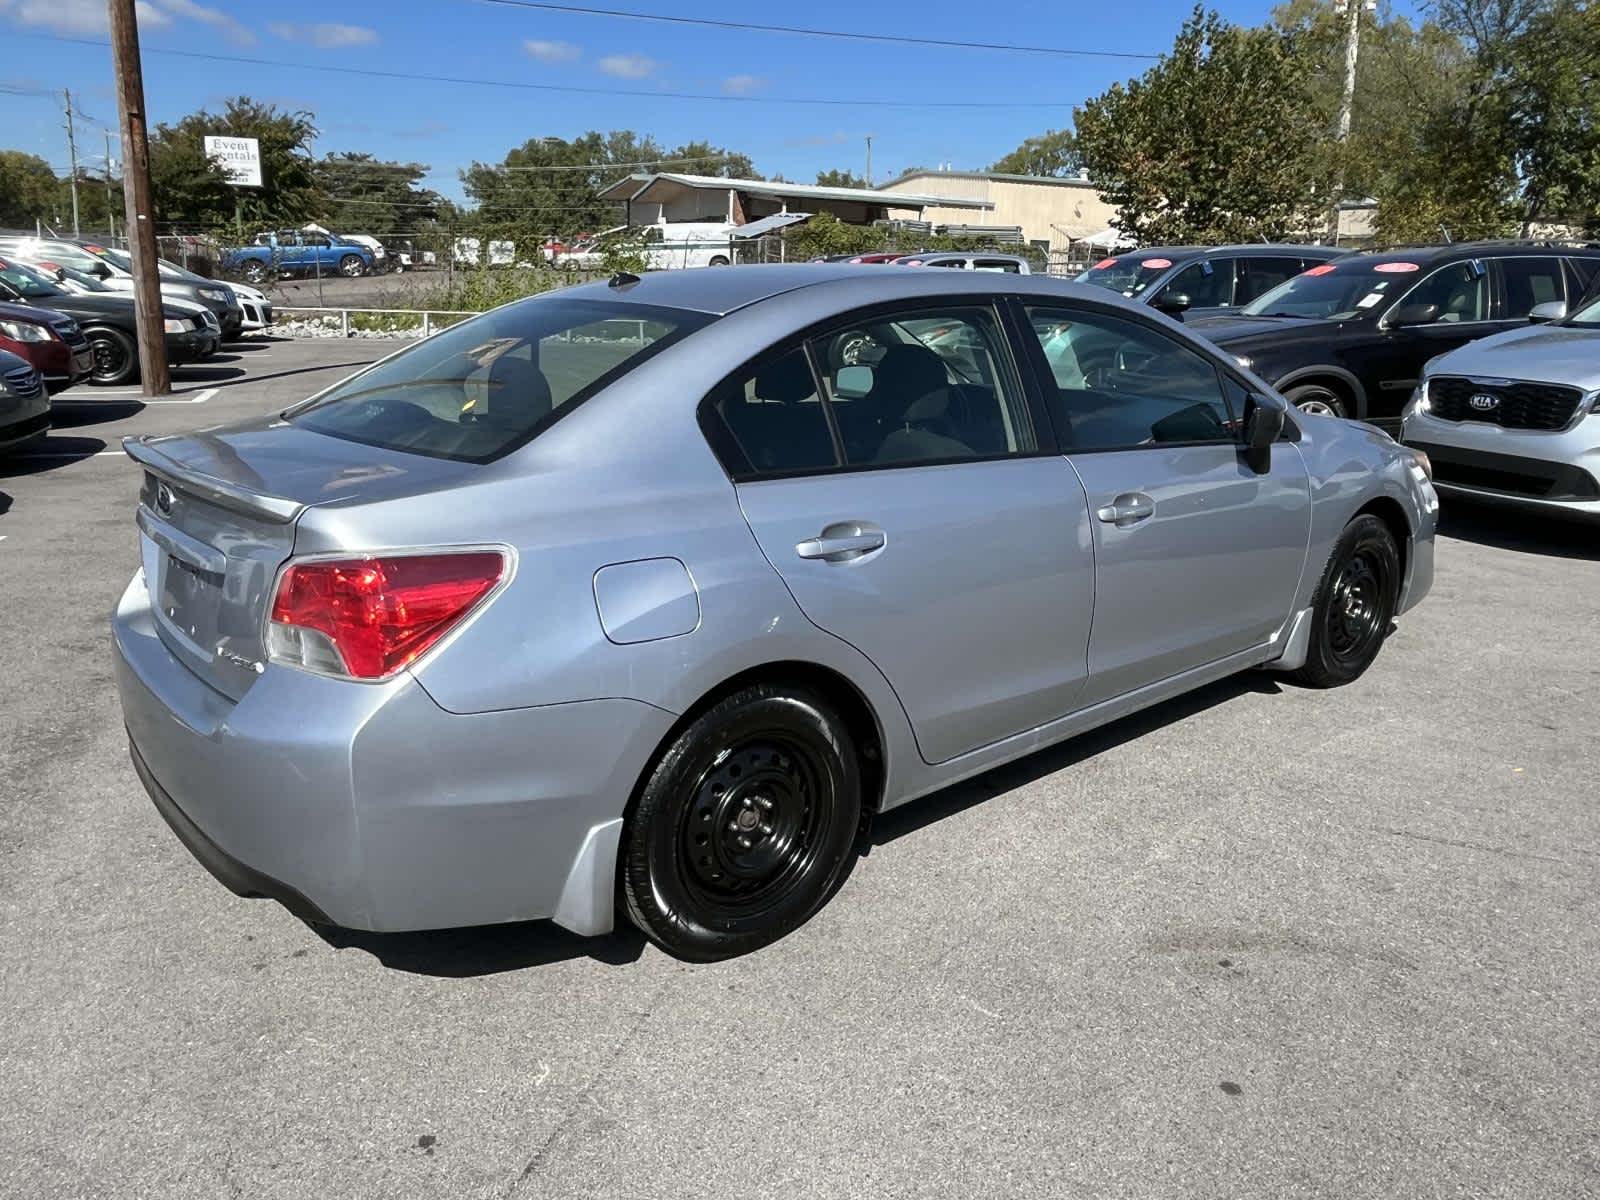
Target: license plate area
(189, 599)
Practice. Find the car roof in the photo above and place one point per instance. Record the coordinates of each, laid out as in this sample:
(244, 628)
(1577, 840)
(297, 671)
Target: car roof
(1484, 249)
(722, 290)
(1243, 249)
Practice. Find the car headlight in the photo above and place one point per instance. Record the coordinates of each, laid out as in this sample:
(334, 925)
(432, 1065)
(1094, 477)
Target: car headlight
(178, 325)
(24, 331)
(213, 293)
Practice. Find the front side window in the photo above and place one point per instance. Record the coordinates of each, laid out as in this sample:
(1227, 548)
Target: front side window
(925, 385)
(775, 416)
(1121, 385)
(1529, 282)
(482, 388)
(1208, 284)
(1460, 292)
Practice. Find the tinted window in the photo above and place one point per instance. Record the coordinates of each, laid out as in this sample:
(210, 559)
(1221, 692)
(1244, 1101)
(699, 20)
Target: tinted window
(1461, 292)
(486, 386)
(923, 386)
(1530, 281)
(997, 264)
(775, 416)
(1583, 273)
(1208, 284)
(1258, 276)
(1119, 384)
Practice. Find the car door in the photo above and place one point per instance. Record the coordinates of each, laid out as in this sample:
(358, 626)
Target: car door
(924, 521)
(1197, 555)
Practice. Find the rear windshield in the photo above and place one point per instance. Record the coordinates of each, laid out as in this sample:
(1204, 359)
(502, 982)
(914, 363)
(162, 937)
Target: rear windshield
(27, 283)
(482, 388)
(1130, 276)
(1334, 293)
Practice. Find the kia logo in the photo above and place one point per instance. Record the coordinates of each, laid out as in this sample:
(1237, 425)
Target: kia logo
(1484, 401)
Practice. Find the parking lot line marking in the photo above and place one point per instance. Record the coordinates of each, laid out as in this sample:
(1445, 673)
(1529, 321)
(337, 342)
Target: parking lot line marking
(199, 398)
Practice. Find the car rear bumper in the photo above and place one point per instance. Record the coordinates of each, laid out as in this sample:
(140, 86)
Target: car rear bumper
(369, 806)
(1528, 468)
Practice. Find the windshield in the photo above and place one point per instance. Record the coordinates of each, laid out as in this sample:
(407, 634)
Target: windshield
(30, 285)
(1130, 276)
(482, 388)
(1333, 293)
(79, 278)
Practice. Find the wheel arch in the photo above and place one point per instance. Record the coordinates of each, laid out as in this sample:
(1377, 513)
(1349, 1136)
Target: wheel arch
(1336, 378)
(1393, 514)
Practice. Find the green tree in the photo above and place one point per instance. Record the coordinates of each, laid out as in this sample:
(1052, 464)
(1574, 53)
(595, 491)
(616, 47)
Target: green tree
(193, 192)
(364, 194)
(840, 179)
(1220, 141)
(29, 190)
(1053, 153)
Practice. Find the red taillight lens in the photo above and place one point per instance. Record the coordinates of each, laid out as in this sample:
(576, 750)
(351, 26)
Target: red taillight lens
(369, 617)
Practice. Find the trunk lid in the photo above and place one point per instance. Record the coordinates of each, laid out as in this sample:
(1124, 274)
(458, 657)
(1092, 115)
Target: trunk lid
(217, 516)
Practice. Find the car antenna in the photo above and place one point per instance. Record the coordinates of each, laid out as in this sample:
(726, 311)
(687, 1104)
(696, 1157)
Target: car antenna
(623, 279)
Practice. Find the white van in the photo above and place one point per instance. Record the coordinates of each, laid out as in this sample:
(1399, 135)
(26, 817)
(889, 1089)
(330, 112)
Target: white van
(666, 246)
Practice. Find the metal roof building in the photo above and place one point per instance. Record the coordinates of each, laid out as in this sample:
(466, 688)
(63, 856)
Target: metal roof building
(649, 199)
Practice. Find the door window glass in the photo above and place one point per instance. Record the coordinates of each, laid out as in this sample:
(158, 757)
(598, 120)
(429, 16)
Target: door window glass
(776, 417)
(1208, 284)
(997, 264)
(1460, 290)
(1258, 276)
(926, 385)
(1530, 281)
(1120, 384)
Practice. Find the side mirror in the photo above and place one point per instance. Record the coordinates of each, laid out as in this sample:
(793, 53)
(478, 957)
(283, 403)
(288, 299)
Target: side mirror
(1264, 418)
(1550, 310)
(1413, 314)
(1171, 303)
(100, 271)
(852, 383)
(61, 274)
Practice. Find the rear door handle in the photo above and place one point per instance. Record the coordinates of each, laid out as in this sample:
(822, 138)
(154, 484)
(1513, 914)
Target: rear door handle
(840, 547)
(1127, 509)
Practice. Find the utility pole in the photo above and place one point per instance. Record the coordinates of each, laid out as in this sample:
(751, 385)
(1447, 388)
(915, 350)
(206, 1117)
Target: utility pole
(1351, 10)
(111, 212)
(136, 196)
(72, 158)
(869, 160)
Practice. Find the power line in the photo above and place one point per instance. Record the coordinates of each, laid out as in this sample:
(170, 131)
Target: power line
(521, 85)
(801, 31)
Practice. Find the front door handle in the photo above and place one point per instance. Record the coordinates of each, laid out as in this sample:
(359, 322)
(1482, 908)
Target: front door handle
(843, 545)
(1127, 509)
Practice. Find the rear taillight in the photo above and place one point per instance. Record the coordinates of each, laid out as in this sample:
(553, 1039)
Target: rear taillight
(368, 617)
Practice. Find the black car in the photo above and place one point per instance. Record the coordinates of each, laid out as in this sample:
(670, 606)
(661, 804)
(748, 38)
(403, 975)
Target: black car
(24, 403)
(110, 325)
(1350, 337)
(1198, 281)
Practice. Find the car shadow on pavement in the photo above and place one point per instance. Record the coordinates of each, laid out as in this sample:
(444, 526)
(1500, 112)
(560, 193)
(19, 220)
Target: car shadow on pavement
(5, 503)
(486, 949)
(48, 455)
(917, 815)
(206, 374)
(1555, 534)
(72, 411)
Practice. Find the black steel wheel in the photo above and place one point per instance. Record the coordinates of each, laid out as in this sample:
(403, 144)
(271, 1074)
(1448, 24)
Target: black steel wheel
(745, 826)
(115, 359)
(1355, 604)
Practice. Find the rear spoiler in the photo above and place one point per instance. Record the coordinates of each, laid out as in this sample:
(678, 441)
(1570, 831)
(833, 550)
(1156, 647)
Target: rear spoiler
(277, 509)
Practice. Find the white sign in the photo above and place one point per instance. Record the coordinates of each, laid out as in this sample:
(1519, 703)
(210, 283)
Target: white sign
(240, 157)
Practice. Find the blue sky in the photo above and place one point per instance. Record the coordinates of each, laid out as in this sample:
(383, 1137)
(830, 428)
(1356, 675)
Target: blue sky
(447, 125)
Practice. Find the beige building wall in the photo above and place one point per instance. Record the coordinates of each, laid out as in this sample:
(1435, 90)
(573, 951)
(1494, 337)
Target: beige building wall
(1048, 210)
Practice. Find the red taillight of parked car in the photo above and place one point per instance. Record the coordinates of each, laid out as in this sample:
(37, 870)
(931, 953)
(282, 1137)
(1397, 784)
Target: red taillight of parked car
(367, 618)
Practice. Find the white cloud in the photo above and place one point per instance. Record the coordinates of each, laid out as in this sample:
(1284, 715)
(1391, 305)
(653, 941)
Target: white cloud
(216, 18)
(75, 16)
(329, 35)
(743, 85)
(551, 52)
(628, 66)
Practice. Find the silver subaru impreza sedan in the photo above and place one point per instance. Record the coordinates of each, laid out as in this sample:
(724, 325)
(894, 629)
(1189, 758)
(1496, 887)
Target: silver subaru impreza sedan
(652, 591)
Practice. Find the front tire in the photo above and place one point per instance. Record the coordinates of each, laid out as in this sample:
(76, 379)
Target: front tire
(115, 358)
(351, 266)
(1355, 605)
(1314, 398)
(745, 825)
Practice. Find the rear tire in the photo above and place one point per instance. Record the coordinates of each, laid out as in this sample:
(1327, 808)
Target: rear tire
(255, 272)
(1355, 605)
(115, 358)
(1314, 398)
(745, 826)
(718, 261)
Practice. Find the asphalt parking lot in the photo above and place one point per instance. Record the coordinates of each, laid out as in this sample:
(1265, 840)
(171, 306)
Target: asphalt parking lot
(1261, 941)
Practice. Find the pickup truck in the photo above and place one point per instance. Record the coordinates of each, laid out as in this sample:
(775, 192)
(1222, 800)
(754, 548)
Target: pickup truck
(293, 252)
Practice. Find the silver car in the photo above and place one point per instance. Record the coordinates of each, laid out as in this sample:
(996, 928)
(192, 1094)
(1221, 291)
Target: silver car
(639, 590)
(1515, 418)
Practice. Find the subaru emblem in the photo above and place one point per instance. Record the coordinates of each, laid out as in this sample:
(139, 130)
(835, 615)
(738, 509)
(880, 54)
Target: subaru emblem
(1484, 401)
(164, 499)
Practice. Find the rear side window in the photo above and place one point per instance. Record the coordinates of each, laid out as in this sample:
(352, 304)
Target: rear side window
(484, 387)
(1208, 284)
(776, 419)
(1530, 281)
(1258, 276)
(997, 264)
